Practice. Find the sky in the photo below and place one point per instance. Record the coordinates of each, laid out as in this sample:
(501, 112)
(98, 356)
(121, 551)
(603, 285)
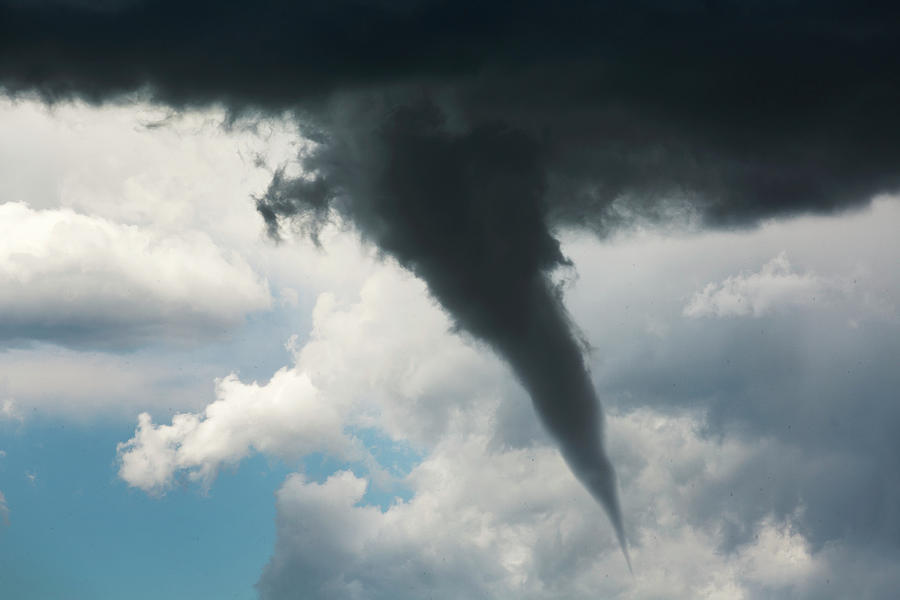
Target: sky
(611, 324)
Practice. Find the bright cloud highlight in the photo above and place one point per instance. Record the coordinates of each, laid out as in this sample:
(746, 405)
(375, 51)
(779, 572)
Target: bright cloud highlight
(775, 287)
(84, 280)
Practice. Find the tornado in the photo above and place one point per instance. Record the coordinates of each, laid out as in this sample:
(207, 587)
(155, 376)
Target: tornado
(466, 210)
(549, 363)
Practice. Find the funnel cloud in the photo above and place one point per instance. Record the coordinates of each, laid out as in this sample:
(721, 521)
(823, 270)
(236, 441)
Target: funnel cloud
(458, 137)
(465, 211)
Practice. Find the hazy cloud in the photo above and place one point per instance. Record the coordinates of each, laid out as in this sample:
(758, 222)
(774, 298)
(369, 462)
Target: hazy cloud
(775, 287)
(87, 383)
(9, 411)
(4, 511)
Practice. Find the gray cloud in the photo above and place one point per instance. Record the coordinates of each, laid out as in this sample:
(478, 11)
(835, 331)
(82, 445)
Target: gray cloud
(814, 386)
(4, 509)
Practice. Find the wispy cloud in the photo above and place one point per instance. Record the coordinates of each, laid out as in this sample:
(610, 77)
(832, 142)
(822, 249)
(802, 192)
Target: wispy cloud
(775, 287)
(9, 411)
(4, 511)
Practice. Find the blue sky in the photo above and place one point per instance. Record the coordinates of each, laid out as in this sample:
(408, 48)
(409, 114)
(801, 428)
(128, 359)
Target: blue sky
(77, 531)
(189, 410)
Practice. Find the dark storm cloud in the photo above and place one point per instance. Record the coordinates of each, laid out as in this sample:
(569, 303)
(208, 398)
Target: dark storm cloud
(740, 110)
(456, 136)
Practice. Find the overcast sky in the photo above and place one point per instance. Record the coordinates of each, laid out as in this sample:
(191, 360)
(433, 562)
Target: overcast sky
(320, 341)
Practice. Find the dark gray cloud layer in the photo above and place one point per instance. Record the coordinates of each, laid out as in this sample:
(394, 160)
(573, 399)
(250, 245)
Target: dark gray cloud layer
(456, 136)
(740, 109)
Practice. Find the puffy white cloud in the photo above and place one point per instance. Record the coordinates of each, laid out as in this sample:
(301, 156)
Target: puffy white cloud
(775, 287)
(514, 523)
(287, 417)
(639, 284)
(392, 356)
(83, 280)
(385, 361)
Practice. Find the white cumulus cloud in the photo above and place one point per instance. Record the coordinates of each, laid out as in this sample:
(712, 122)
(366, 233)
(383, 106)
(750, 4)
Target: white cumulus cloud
(386, 361)
(286, 417)
(776, 286)
(85, 280)
(513, 523)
